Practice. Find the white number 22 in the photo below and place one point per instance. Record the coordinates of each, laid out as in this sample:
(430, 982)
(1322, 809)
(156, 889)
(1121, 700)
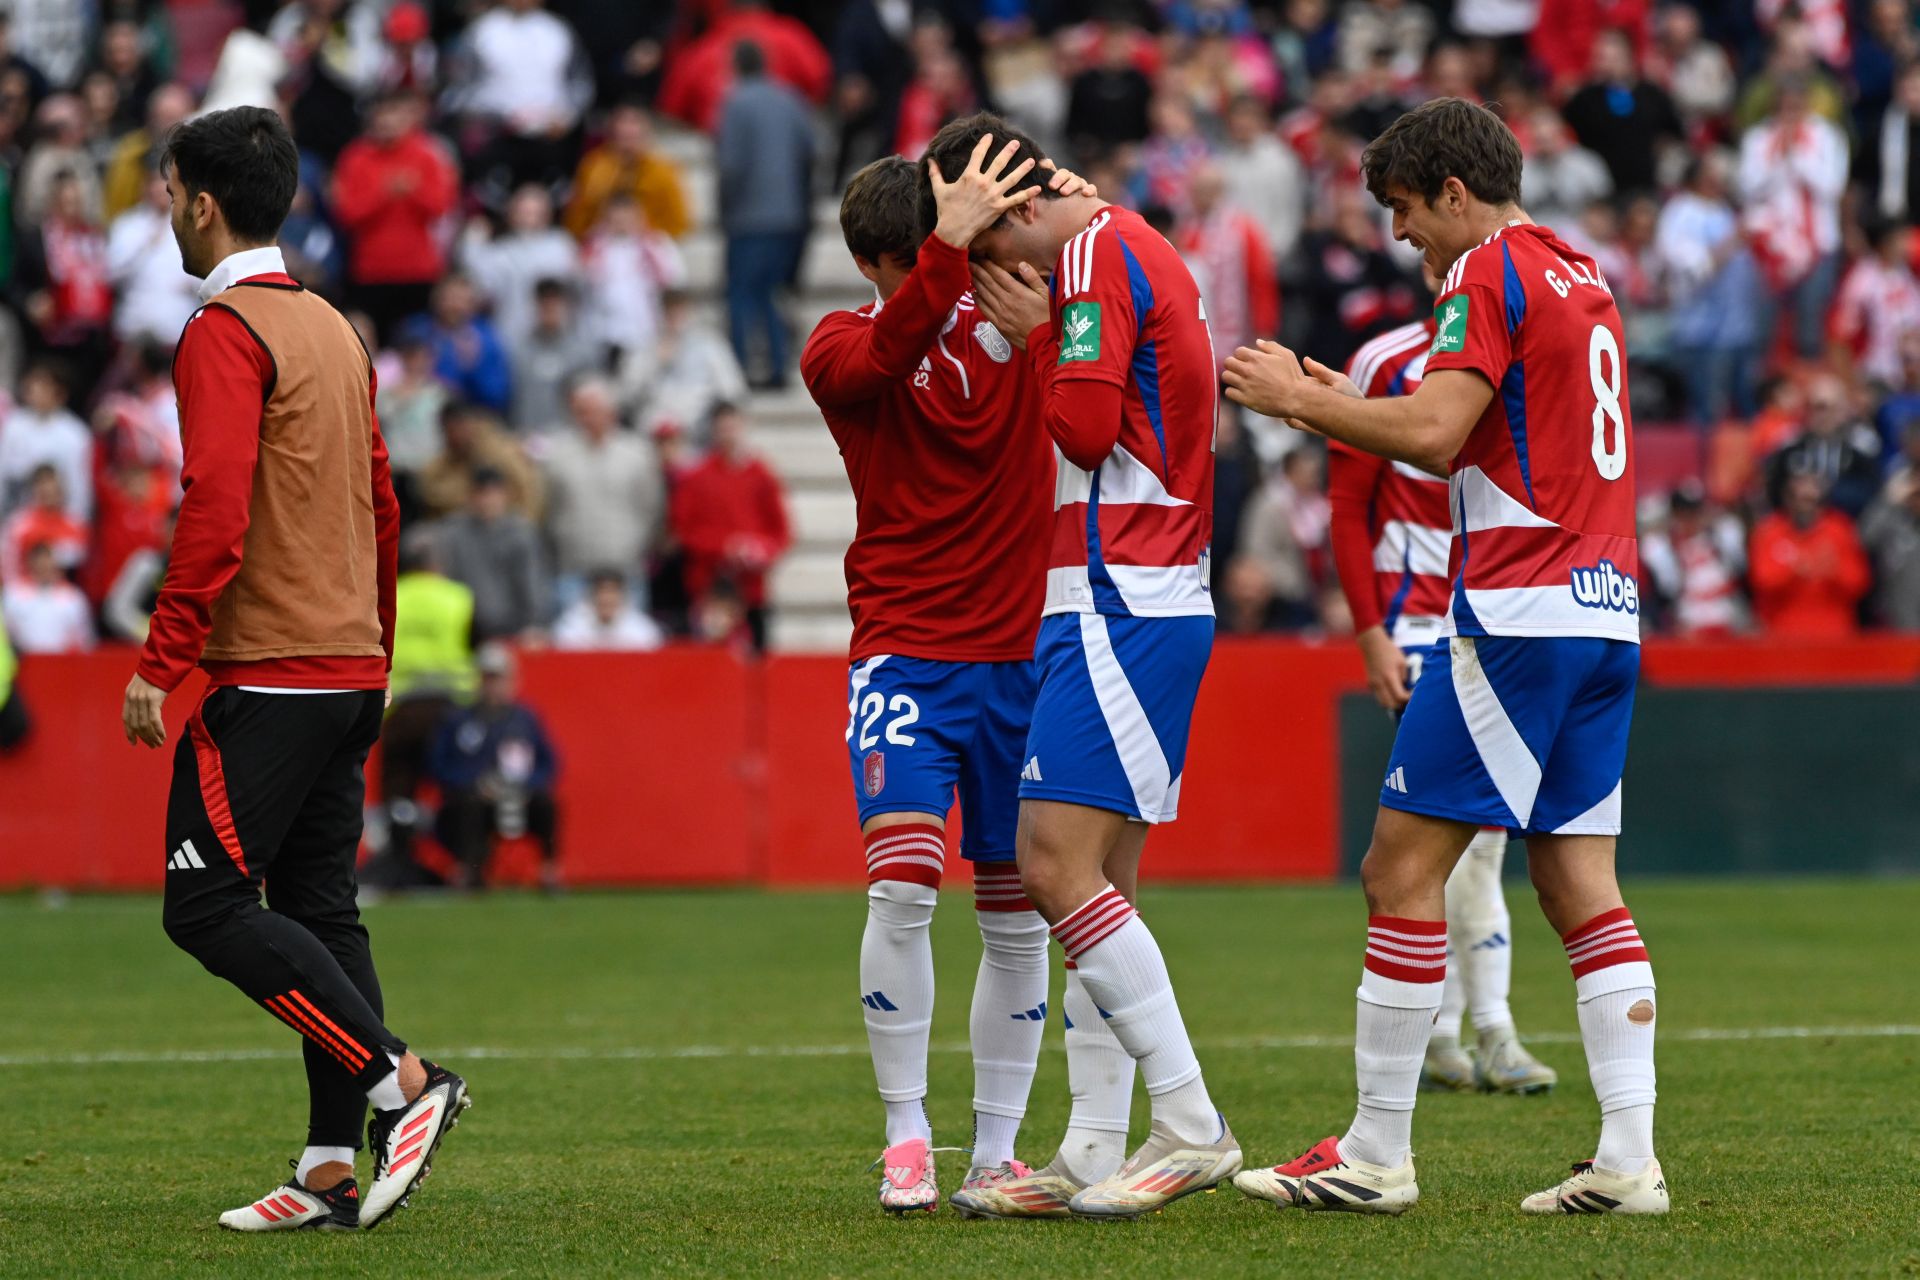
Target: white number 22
(1605, 378)
(906, 712)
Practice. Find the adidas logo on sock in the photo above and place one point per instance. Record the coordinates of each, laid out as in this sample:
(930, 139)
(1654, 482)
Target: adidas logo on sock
(877, 1000)
(1036, 1014)
(186, 858)
(1492, 942)
(1397, 780)
(1032, 772)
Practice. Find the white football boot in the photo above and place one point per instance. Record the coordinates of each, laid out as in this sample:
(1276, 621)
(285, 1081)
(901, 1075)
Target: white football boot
(1503, 1065)
(405, 1139)
(991, 1193)
(1592, 1189)
(1446, 1068)
(1164, 1169)
(294, 1208)
(1324, 1179)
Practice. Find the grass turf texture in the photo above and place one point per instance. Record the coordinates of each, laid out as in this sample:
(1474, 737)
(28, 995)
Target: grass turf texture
(712, 1113)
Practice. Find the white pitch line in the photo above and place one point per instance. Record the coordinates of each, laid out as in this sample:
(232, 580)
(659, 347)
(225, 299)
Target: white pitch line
(670, 1053)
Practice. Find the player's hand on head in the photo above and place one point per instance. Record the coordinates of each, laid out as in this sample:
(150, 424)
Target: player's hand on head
(1065, 182)
(1015, 305)
(975, 199)
(1267, 379)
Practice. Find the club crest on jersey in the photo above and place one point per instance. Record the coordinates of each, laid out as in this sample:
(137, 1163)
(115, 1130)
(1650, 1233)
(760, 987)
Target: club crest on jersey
(875, 772)
(1603, 586)
(1452, 334)
(1080, 331)
(998, 349)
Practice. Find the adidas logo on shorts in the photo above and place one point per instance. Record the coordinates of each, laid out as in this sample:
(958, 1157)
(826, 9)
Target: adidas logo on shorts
(1397, 780)
(1032, 772)
(185, 858)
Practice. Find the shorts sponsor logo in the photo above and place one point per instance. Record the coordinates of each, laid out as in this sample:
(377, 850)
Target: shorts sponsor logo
(998, 349)
(1080, 331)
(1452, 334)
(1602, 586)
(875, 772)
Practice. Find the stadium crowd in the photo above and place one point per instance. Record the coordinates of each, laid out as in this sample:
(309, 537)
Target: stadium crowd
(484, 194)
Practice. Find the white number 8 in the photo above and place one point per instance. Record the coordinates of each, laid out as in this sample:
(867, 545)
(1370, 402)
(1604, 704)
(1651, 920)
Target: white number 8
(1606, 409)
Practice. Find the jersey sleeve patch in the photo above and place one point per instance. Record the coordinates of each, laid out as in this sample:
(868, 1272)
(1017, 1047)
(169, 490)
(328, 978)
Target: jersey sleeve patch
(1451, 315)
(1079, 332)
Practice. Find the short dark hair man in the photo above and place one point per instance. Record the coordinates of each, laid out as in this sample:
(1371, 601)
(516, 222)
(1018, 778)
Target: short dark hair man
(281, 584)
(1520, 717)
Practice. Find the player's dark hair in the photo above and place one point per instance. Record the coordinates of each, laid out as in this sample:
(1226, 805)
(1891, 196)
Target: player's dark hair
(952, 149)
(1441, 139)
(245, 159)
(880, 212)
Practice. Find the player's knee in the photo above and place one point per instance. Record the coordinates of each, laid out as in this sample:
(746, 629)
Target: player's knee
(1394, 885)
(901, 904)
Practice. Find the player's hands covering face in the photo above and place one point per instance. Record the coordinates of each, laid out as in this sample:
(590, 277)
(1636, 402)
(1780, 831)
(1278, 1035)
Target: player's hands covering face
(1015, 305)
(975, 199)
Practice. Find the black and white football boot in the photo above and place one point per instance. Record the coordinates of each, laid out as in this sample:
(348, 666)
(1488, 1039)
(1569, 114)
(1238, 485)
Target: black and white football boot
(404, 1140)
(294, 1208)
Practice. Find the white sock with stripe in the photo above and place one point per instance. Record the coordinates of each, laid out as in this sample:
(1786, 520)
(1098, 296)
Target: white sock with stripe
(313, 1157)
(1480, 933)
(896, 968)
(1613, 985)
(1100, 1078)
(1453, 1005)
(1123, 970)
(386, 1094)
(1009, 1014)
(1400, 988)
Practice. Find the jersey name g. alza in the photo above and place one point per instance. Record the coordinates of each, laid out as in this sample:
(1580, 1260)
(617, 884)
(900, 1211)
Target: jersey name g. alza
(1131, 537)
(1542, 492)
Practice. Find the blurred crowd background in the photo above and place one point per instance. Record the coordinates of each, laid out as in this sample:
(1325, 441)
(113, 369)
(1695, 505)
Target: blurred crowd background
(514, 202)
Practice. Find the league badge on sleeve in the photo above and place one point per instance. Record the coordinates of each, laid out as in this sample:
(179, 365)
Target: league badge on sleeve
(998, 349)
(875, 772)
(1080, 331)
(1452, 334)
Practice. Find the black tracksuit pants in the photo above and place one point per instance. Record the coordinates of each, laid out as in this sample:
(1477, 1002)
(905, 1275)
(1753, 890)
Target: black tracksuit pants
(268, 789)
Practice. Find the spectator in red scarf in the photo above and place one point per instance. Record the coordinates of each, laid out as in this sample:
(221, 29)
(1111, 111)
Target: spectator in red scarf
(391, 188)
(1809, 572)
(69, 292)
(1793, 173)
(729, 516)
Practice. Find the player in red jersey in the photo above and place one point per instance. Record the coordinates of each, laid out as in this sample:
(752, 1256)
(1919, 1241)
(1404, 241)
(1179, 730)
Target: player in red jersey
(935, 419)
(1390, 532)
(1120, 350)
(1521, 720)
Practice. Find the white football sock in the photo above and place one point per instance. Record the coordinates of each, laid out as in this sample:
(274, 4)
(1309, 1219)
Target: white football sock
(1124, 972)
(1400, 989)
(1009, 1012)
(1480, 933)
(907, 1120)
(1100, 1077)
(896, 989)
(313, 1157)
(1613, 985)
(386, 1094)
(1453, 1005)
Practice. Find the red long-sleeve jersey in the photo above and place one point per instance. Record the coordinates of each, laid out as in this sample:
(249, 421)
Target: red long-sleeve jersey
(938, 423)
(729, 517)
(1391, 527)
(222, 375)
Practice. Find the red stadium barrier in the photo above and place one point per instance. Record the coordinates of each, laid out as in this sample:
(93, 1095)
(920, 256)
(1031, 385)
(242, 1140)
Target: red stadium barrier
(691, 767)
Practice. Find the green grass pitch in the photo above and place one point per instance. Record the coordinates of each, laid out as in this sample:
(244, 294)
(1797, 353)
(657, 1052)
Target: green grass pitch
(675, 1083)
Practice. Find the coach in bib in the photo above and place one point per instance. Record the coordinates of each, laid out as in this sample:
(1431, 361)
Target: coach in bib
(280, 584)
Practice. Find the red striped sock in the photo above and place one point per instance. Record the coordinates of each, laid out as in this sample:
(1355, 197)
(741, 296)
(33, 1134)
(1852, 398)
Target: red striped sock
(1608, 939)
(1093, 922)
(996, 887)
(1407, 950)
(914, 852)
